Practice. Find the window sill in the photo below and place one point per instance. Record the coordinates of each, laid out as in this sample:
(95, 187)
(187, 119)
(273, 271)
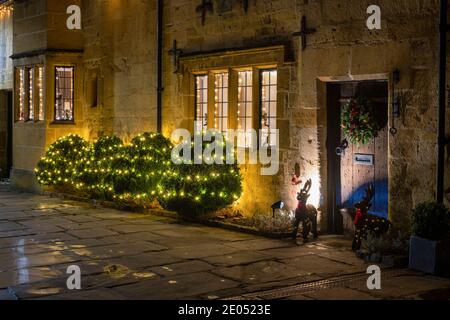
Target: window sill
(62, 122)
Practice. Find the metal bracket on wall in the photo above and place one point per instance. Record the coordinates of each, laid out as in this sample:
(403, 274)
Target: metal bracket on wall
(395, 101)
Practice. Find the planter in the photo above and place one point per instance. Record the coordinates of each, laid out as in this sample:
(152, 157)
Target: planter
(429, 256)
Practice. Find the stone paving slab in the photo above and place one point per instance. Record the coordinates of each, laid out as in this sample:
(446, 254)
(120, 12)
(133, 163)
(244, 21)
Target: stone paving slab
(260, 272)
(182, 268)
(180, 287)
(321, 266)
(238, 258)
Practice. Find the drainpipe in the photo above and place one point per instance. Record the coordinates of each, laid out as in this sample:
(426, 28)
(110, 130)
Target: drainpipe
(443, 29)
(159, 89)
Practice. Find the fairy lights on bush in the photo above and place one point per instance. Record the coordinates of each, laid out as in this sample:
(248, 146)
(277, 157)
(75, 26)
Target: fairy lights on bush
(137, 174)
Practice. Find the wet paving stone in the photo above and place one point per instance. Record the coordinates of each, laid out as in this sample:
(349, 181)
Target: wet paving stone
(10, 226)
(179, 287)
(237, 258)
(262, 271)
(200, 251)
(91, 233)
(182, 268)
(118, 250)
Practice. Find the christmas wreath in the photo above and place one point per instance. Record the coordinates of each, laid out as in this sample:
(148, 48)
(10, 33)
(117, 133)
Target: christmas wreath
(359, 121)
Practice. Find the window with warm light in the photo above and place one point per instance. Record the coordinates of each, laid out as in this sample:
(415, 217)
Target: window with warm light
(245, 108)
(239, 97)
(64, 94)
(21, 93)
(268, 107)
(40, 88)
(30, 94)
(201, 102)
(221, 101)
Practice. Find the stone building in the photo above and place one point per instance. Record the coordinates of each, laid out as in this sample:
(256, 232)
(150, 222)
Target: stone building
(236, 64)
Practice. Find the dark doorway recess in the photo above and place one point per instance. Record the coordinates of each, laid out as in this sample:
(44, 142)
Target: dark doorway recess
(6, 132)
(9, 139)
(360, 165)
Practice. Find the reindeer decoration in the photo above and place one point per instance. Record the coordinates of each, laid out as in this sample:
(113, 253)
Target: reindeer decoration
(364, 221)
(305, 214)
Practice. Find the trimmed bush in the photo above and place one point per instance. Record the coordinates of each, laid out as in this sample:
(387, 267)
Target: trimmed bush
(137, 171)
(59, 165)
(194, 189)
(430, 220)
(95, 168)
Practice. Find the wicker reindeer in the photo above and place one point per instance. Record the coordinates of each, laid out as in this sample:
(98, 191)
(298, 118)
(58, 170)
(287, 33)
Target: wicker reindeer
(305, 214)
(364, 221)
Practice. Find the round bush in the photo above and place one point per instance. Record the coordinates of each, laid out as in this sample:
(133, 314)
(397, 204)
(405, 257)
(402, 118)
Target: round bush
(137, 171)
(95, 167)
(431, 221)
(59, 165)
(194, 189)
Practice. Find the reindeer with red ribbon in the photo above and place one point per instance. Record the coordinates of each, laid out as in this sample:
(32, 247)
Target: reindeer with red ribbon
(364, 221)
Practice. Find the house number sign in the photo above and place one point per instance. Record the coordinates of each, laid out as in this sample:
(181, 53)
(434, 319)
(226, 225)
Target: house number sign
(364, 159)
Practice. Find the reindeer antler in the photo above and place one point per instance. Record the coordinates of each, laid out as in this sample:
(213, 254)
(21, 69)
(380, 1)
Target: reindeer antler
(307, 186)
(370, 192)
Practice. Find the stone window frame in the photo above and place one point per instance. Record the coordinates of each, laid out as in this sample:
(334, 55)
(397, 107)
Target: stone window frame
(25, 110)
(231, 61)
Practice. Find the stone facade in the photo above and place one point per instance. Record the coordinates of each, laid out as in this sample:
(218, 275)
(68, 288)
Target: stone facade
(115, 57)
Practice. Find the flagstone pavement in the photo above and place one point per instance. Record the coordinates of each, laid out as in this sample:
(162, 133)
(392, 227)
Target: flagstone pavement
(125, 255)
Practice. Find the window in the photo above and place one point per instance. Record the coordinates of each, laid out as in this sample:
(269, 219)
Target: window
(245, 108)
(245, 93)
(201, 102)
(30, 94)
(268, 107)
(21, 93)
(40, 86)
(64, 93)
(221, 101)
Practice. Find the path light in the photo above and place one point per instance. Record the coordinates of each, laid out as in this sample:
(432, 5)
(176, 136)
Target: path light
(277, 205)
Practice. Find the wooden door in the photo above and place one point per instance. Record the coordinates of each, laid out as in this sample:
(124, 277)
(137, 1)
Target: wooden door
(359, 165)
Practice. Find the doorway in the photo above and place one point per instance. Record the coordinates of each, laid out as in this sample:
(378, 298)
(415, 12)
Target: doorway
(6, 133)
(352, 170)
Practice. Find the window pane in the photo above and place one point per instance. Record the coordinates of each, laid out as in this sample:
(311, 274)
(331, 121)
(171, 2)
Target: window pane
(221, 101)
(40, 88)
(201, 103)
(268, 107)
(64, 82)
(30, 94)
(21, 94)
(245, 103)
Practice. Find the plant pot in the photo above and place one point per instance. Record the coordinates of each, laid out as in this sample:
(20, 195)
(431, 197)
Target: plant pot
(429, 256)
